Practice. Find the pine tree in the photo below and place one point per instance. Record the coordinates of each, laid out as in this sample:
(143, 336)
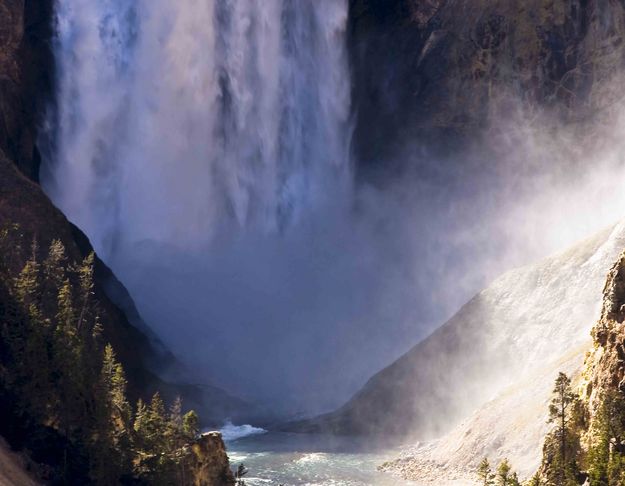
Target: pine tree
(560, 409)
(485, 474)
(599, 452)
(178, 439)
(111, 455)
(74, 378)
(191, 425)
(85, 276)
(65, 305)
(175, 434)
(239, 474)
(157, 421)
(514, 480)
(503, 473)
(27, 283)
(63, 378)
(155, 462)
(30, 351)
(54, 273)
(605, 460)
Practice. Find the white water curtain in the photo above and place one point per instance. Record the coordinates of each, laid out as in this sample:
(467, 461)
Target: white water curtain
(178, 119)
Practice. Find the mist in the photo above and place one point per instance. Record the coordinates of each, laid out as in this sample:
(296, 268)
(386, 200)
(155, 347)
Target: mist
(358, 281)
(221, 191)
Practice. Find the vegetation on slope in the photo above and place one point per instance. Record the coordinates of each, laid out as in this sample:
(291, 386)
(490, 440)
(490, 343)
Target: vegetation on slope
(62, 390)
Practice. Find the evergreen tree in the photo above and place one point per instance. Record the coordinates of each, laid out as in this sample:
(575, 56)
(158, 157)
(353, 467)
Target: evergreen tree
(30, 351)
(599, 453)
(54, 268)
(605, 458)
(27, 283)
(140, 421)
(175, 433)
(155, 463)
(111, 451)
(63, 381)
(191, 425)
(239, 474)
(85, 277)
(485, 474)
(514, 480)
(156, 422)
(563, 443)
(503, 473)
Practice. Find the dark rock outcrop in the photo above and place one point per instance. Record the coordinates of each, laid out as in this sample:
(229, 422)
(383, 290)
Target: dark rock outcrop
(210, 465)
(26, 78)
(436, 74)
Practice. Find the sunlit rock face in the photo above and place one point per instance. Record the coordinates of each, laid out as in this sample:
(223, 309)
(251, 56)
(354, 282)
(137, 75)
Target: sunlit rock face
(605, 366)
(209, 464)
(481, 383)
(434, 74)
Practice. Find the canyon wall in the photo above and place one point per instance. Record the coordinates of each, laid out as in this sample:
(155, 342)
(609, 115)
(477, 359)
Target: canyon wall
(433, 76)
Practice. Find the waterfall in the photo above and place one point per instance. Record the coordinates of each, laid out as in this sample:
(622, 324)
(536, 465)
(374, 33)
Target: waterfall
(202, 146)
(179, 121)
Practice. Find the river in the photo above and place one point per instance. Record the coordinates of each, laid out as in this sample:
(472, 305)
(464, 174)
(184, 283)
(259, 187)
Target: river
(296, 459)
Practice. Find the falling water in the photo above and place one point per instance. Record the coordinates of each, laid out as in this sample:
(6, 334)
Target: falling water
(179, 120)
(193, 140)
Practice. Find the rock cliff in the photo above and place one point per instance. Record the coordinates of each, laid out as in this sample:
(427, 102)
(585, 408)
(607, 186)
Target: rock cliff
(605, 366)
(435, 74)
(26, 78)
(210, 465)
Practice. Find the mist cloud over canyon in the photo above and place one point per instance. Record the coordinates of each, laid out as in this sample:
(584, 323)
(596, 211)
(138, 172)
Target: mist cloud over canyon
(207, 151)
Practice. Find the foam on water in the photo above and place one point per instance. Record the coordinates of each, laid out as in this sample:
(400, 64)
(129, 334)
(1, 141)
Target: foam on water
(231, 432)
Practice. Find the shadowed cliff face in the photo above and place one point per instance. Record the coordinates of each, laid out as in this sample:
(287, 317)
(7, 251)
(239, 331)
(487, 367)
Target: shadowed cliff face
(433, 75)
(26, 79)
(26, 73)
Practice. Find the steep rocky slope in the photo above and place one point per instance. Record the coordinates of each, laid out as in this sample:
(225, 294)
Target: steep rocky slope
(513, 422)
(604, 369)
(210, 463)
(434, 74)
(13, 468)
(26, 78)
(482, 381)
